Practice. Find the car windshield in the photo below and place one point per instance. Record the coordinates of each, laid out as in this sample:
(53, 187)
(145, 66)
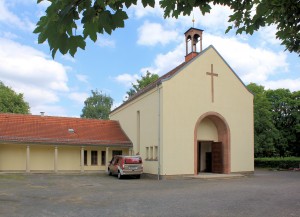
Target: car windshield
(133, 160)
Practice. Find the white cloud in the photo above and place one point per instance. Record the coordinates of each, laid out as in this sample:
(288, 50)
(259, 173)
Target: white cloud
(105, 42)
(9, 18)
(268, 35)
(68, 57)
(126, 79)
(8, 35)
(251, 64)
(29, 71)
(50, 110)
(291, 84)
(78, 97)
(139, 11)
(151, 34)
(82, 78)
(217, 19)
(165, 62)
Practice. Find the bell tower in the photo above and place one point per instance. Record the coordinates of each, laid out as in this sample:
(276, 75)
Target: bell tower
(193, 39)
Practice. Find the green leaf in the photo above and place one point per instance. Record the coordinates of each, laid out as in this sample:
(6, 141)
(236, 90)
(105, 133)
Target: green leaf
(205, 9)
(228, 29)
(54, 52)
(128, 3)
(151, 3)
(119, 17)
(80, 41)
(42, 38)
(63, 43)
(240, 30)
(90, 30)
(192, 2)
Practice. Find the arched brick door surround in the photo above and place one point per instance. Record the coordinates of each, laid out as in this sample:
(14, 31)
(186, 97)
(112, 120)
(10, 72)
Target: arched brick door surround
(223, 136)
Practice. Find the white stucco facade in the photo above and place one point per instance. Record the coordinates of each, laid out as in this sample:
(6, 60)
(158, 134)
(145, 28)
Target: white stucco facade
(185, 110)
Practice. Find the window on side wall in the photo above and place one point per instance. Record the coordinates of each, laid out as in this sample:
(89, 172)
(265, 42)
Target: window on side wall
(151, 153)
(103, 157)
(155, 152)
(147, 153)
(94, 157)
(85, 157)
(116, 152)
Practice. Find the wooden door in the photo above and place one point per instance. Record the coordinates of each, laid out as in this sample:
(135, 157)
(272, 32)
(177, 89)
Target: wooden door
(217, 157)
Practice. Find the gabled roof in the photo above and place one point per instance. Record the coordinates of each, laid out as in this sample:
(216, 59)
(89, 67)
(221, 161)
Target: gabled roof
(173, 72)
(61, 130)
(152, 85)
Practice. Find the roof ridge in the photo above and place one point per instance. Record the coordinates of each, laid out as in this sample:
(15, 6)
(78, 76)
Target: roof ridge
(54, 117)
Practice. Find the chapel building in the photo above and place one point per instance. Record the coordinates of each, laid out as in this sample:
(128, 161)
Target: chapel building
(196, 118)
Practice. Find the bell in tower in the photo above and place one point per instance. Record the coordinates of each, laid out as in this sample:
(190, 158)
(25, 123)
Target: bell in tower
(193, 39)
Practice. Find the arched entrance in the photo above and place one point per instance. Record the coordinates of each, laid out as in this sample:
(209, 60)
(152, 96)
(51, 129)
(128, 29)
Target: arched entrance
(215, 139)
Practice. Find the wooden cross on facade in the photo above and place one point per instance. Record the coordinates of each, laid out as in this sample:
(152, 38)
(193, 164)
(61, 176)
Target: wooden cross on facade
(212, 74)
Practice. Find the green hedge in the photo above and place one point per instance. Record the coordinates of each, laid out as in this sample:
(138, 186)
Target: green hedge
(282, 163)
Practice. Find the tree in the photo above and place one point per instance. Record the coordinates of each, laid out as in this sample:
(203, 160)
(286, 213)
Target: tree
(276, 122)
(11, 102)
(283, 118)
(294, 146)
(97, 106)
(141, 83)
(60, 23)
(265, 132)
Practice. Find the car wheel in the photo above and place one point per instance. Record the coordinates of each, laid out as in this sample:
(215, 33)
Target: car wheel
(109, 172)
(138, 176)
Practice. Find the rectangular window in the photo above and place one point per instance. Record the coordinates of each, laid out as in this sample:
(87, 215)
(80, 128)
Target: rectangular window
(147, 153)
(94, 157)
(138, 131)
(155, 152)
(116, 152)
(151, 153)
(85, 157)
(103, 157)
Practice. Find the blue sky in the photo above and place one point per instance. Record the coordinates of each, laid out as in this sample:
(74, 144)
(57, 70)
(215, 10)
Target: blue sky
(148, 42)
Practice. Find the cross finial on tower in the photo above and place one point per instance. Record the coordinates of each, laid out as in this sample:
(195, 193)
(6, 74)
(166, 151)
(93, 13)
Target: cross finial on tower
(193, 20)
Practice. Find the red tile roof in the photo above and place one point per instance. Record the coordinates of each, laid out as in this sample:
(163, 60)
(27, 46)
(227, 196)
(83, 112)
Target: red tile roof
(61, 130)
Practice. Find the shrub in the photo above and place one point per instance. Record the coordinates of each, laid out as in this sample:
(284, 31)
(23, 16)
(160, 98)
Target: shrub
(280, 163)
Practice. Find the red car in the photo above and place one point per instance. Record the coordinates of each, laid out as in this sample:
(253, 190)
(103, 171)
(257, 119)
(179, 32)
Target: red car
(122, 165)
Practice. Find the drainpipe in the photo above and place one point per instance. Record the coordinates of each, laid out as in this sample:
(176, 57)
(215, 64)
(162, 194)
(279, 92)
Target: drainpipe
(158, 144)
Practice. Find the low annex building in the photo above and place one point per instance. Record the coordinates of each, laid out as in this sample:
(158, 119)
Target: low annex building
(196, 118)
(35, 143)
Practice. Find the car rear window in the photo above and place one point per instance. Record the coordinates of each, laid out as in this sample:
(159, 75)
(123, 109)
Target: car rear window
(133, 160)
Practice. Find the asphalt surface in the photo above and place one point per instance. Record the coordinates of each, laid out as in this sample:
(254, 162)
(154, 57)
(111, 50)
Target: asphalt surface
(266, 193)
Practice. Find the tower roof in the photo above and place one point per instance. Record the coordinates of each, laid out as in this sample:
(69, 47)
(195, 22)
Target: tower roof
(192, 28)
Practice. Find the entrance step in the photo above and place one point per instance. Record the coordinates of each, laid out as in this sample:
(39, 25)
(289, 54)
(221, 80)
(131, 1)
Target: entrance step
(216, 176)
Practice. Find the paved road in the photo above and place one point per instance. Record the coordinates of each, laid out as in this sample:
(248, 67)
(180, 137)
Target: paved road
(267, 193)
